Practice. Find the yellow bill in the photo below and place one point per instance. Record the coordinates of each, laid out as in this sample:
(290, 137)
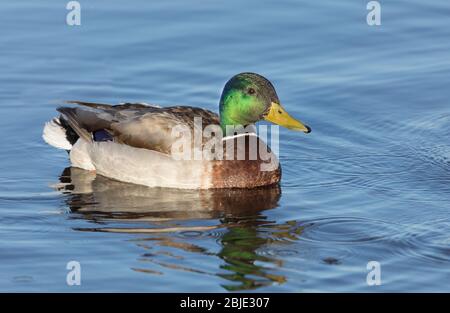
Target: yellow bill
(278, 115)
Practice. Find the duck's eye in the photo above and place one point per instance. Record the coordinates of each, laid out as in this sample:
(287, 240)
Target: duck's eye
(251, 91)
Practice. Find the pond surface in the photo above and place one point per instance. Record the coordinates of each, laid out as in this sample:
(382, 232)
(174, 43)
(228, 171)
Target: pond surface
(370, 183)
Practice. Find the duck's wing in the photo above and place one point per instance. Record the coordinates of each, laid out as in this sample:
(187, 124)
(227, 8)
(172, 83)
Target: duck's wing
(154, 129)
(134, 124)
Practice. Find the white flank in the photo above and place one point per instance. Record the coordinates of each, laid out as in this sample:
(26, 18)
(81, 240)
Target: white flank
(79, 155)
(55, 135)
(140, 166)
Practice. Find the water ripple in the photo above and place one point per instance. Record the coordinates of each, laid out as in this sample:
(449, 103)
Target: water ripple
(347, 230)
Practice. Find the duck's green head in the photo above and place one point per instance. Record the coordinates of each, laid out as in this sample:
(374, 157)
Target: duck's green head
(248, 98)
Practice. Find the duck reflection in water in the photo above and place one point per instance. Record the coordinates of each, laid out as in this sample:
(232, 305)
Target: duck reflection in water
(233, 218)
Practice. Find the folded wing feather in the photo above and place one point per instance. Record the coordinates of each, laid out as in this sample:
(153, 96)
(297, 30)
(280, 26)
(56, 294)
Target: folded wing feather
(134, 124)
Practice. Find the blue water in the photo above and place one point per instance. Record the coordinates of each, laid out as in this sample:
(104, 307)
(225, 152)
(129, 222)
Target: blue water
(370, 183)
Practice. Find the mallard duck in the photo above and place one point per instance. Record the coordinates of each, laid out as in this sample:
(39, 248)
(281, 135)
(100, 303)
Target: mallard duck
(133, 142)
